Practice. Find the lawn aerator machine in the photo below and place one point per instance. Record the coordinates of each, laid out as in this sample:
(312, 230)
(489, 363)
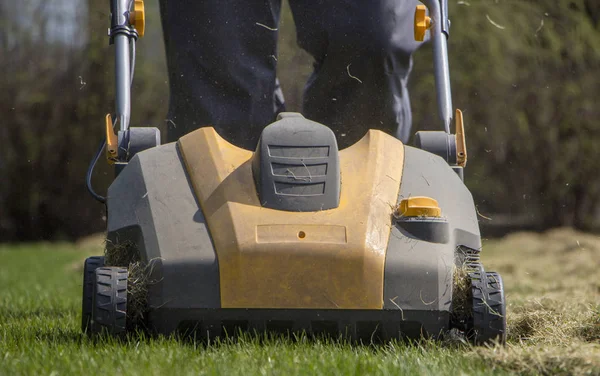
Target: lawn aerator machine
(378, 240)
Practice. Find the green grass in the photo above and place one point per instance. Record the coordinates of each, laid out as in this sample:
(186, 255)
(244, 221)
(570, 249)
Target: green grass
(40, 320)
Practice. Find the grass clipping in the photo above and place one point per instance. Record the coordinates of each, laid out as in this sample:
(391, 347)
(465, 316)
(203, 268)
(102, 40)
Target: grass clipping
(462, 294)
(126, 254)
(550, 337)
(552, 283)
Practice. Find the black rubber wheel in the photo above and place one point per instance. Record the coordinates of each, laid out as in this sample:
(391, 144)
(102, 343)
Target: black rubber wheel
(489, 308)
(87, 300)
(109, 309)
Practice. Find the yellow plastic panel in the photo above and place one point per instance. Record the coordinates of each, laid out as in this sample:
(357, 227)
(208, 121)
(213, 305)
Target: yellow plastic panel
(301, 234)
(264, 260)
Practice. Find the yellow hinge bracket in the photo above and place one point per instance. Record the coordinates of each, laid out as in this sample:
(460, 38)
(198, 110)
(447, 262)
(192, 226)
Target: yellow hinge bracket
(461, 144)
(111, 141)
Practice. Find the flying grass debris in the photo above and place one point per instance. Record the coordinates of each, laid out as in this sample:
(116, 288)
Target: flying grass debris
(494, 23)
(540, 27)
(481, 215)
(266, 27)
(172, 122)
(350, 74)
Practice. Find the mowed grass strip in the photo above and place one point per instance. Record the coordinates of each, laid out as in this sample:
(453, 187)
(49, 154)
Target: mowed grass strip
(554, 324)
(552, 282)
(39, 334)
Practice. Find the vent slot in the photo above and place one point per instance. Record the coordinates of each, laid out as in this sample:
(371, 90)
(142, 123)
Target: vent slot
(291, 189)
(298, 151)
(280, 326)
(324, 328)
(369, 330)
(303, 171)
(233, 327)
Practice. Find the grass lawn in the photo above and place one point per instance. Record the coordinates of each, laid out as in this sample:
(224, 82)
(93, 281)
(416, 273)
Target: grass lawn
(553, 289)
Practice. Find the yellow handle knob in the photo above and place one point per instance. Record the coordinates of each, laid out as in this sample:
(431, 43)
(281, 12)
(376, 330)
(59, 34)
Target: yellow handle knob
(137, 17)
(422, 22)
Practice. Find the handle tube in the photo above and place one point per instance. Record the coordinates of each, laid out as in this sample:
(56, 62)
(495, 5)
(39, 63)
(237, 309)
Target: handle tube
(120, 35)
(441, 66)
(122, 80)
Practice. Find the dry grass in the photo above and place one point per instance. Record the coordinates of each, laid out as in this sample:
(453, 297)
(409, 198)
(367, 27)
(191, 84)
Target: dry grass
(137, 293)
(126, 254)
(552, 284)
(462, 296)
(121, 254)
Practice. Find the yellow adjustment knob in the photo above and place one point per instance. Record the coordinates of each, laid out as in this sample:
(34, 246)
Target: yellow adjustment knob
(137, 17)
(419, 206)
(422, 22)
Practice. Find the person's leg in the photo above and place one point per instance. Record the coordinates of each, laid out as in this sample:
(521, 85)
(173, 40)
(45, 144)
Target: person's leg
(362, 52)
(221, 61)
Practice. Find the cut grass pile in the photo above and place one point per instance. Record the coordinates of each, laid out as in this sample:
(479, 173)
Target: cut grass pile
(553, 292)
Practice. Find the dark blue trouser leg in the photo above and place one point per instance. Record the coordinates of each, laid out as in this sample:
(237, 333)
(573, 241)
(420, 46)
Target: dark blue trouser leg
(221, 60)
(221, 57)
(362, 50)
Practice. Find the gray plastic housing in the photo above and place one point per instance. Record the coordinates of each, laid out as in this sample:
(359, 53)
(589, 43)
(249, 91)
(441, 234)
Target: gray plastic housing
(296, 165)
(152, 205)
(421, 256)
(439, 143)
(137, 139)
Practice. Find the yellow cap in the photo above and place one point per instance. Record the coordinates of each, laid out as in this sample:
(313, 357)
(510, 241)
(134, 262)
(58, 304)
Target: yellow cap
(422, 22)
(419, 206)
(137, 18)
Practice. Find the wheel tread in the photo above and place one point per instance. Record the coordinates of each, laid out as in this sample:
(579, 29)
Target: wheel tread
(110, 305)
(489, 307)
(89, 267)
